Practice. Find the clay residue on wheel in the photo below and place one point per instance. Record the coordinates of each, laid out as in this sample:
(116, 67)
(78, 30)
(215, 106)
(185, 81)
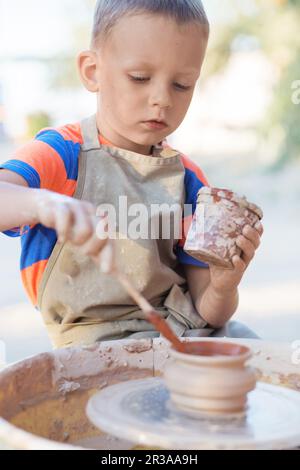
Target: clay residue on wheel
(138, 347)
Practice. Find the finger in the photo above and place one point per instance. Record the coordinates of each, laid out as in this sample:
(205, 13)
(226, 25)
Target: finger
(259, 227)
(247, 248)
(93, 246)
(252, 235)
(239, 264)
(98, 239)
(83, 228)
(63, 222)
(102, 229)
(107, 258)
(88, 207)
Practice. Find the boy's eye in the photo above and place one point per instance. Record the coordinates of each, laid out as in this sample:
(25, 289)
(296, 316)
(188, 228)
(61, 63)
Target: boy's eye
(139, 79)
(182, 87)
(144, 79)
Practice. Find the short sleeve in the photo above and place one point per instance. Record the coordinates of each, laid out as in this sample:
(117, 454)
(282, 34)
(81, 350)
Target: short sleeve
(194, 180)
(14, 233)
(46, 162)
(49, 161)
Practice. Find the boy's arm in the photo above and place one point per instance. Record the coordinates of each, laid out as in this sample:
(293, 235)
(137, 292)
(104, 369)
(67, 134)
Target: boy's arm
(73, 220)
(215, 307)
(17, 201)
(215, 291)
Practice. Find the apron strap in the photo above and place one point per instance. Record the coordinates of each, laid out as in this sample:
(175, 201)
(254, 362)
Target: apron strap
(90, 134)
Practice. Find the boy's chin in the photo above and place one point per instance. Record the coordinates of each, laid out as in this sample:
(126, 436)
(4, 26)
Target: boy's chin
(149, 140)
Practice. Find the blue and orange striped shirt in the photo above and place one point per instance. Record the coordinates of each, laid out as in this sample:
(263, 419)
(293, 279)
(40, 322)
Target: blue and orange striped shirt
(50, 161)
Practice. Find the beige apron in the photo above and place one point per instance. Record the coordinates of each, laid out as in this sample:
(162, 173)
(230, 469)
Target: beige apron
(79, 304)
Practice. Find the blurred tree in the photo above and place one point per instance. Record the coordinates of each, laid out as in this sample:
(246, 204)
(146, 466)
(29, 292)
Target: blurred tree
(37, 121)
(274, 25)
(63, 71)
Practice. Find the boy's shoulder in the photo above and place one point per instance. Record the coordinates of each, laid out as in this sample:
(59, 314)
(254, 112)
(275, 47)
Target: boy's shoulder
(68, 132)
(192, 169)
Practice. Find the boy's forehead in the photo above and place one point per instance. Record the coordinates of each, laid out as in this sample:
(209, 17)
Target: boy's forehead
(141, 30)
(141, 41)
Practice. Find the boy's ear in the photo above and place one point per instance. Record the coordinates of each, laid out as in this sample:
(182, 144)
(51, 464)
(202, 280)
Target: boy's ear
(88, 70)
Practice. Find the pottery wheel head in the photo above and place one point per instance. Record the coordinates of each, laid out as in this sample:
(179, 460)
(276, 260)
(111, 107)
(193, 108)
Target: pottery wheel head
(141, 411)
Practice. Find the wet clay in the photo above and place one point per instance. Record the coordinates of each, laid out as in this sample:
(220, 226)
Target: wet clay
(213, 349)
(219, 220)
(210, 377)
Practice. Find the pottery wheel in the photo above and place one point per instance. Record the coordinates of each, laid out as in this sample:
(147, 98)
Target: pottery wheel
(141, 411)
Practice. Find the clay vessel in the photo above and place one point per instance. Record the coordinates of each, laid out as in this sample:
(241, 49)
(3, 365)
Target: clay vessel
(213, 378)
(219, 219)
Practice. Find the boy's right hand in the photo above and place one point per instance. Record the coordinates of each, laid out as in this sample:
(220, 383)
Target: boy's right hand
(73, 220)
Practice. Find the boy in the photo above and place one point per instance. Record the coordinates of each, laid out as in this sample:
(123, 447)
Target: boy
(143, 64)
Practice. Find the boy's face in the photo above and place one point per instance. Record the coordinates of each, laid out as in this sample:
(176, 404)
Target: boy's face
(167, 60)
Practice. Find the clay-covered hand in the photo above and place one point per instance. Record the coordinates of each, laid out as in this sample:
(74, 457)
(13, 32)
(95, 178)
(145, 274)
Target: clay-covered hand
(73, 220)
(223, 280)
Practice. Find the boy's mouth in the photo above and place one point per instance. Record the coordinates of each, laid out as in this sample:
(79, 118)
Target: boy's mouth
(156, 124)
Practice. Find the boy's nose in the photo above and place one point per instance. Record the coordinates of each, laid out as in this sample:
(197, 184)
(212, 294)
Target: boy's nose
(160, 98)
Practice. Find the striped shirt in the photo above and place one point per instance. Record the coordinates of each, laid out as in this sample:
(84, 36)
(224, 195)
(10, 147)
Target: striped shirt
(50, 161)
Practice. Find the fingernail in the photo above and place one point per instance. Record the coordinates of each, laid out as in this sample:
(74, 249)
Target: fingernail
(258, 225)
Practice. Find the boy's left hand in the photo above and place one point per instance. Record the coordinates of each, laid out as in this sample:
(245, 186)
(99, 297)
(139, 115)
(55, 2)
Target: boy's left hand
(224, 280)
